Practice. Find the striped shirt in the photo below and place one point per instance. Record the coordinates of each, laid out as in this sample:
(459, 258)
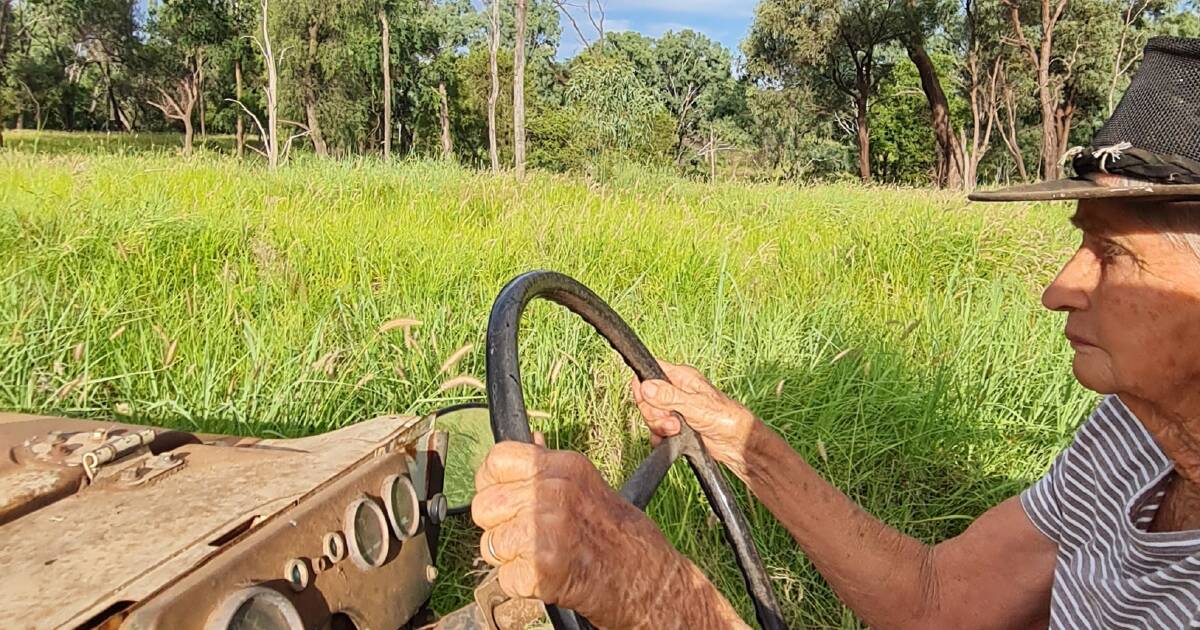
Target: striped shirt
(1097, 503)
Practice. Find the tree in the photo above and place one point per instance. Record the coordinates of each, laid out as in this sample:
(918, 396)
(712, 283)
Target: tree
(692, 74)
(1054, 99)
(183, 33)
(519, 89)
(494, 76)
(922, 17)
(385, 36)
(841, 39)
(5, 28)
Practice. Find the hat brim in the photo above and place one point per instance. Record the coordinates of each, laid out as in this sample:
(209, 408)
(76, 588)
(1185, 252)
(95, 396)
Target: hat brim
(1077, 188)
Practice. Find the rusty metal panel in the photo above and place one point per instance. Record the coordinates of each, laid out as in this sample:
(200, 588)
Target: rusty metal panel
(382, 597)
(149, 518)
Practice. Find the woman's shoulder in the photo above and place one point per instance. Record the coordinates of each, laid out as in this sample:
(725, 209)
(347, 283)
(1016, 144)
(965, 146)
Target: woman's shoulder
(1114, 438)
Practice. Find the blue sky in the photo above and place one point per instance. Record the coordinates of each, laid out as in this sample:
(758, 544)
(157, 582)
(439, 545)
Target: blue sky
(726, 21)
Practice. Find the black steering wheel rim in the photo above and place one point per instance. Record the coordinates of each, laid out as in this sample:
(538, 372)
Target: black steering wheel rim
(506, 405)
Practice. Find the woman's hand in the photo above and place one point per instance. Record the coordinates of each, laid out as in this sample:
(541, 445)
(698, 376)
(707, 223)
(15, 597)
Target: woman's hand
(723, 423)
(560, 534)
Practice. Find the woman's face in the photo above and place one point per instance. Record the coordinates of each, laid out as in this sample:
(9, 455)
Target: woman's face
(1132, 298)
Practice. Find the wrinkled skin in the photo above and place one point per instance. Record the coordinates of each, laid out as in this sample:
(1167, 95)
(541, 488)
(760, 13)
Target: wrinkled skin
(561, 535)
(1132, 298)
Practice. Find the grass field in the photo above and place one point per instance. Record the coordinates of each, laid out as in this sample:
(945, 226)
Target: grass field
(893, 336)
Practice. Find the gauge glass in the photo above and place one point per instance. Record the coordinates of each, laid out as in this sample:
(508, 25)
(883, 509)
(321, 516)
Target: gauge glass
(367, 528)
(258, 614)
(256, 608)
(402, 507)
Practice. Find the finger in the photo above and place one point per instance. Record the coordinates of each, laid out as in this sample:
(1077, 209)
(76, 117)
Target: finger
(661, 422)
(685, 377)
(500, 503)
(519, 579)
(509, 461)
(507, 542)
(539, 439)
(665, 395)
(635, 386)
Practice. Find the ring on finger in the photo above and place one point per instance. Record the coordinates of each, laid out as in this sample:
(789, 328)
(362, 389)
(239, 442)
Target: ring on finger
(491, 533)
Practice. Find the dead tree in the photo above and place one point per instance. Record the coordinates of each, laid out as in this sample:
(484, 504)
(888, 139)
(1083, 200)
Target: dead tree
(519, 90)
(444, 118)
(984, 96)
(494, 71)
(386, 37)
(269, 132)
(240, 128)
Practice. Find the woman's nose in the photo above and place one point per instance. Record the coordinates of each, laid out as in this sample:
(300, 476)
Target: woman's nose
(1071, 288)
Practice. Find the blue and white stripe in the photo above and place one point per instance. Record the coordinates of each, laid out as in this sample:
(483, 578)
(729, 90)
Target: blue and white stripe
(1097, 503)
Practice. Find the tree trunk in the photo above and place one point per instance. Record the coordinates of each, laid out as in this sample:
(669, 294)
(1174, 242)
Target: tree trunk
(949, 165)
(188, 133)
(1049, 124)
(271, 133)
(519, 91)
(200, 97)
(310, 94)
(494, 95)
(5, 13)
(444, 116)
(240, 127)
(386, 45)
(862, 93)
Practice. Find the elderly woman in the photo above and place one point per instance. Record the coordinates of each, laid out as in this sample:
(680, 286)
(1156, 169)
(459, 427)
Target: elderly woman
(1109, 538)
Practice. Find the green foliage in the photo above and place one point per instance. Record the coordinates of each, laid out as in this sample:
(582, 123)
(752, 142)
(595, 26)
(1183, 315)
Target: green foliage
(894, 338)
(790, 109)
(609, 114)
(902, 148)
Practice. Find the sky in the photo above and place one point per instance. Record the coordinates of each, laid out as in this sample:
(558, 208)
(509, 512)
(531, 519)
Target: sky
(726, 21)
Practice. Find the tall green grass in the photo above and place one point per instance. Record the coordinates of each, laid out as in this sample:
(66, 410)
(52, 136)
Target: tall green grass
(893, 336)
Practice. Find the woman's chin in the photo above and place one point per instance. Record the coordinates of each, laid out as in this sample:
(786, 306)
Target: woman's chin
(1093, 372)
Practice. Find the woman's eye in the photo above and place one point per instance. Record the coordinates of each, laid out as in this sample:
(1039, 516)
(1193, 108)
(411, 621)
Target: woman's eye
(1110, 251)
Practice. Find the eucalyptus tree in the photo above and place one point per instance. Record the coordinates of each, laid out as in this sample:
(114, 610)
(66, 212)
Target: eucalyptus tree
(836, 43)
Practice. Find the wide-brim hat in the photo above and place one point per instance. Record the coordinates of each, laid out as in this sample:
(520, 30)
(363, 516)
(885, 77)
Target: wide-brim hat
(1148, 148)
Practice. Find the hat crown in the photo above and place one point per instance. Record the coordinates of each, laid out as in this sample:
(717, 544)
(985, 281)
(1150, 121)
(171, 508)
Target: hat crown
(1160, 112)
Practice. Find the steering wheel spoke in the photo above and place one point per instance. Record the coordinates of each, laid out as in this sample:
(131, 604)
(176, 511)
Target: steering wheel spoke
(506, 403)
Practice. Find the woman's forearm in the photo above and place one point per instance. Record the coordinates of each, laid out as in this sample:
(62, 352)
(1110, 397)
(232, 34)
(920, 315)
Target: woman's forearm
(884, 576)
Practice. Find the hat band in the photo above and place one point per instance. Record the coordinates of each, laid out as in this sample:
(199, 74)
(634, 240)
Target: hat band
(1127, 161)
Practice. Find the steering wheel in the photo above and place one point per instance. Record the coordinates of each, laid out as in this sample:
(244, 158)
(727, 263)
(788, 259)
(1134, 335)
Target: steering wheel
(506, 405)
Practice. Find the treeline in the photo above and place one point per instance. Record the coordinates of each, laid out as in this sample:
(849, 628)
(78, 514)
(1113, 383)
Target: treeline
(948, 92)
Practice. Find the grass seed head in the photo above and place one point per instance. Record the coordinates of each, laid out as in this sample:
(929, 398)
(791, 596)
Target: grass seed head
(454, 358)
(463, 380)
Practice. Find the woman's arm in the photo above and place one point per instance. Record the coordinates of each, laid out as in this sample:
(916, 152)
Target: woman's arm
(998, 573)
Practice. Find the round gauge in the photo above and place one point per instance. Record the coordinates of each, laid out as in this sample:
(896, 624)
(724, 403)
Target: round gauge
(256, 608)
(403, 511)
(335, 547)
(367, 533)
(297, 574)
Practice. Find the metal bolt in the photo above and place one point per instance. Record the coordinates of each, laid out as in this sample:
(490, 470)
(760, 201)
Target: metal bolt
(131, 474)
(431, 573)
(436, 507)
(166, 460)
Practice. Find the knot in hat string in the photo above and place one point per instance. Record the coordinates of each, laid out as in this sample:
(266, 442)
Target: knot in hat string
(1113, 151)
(1070, 154)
